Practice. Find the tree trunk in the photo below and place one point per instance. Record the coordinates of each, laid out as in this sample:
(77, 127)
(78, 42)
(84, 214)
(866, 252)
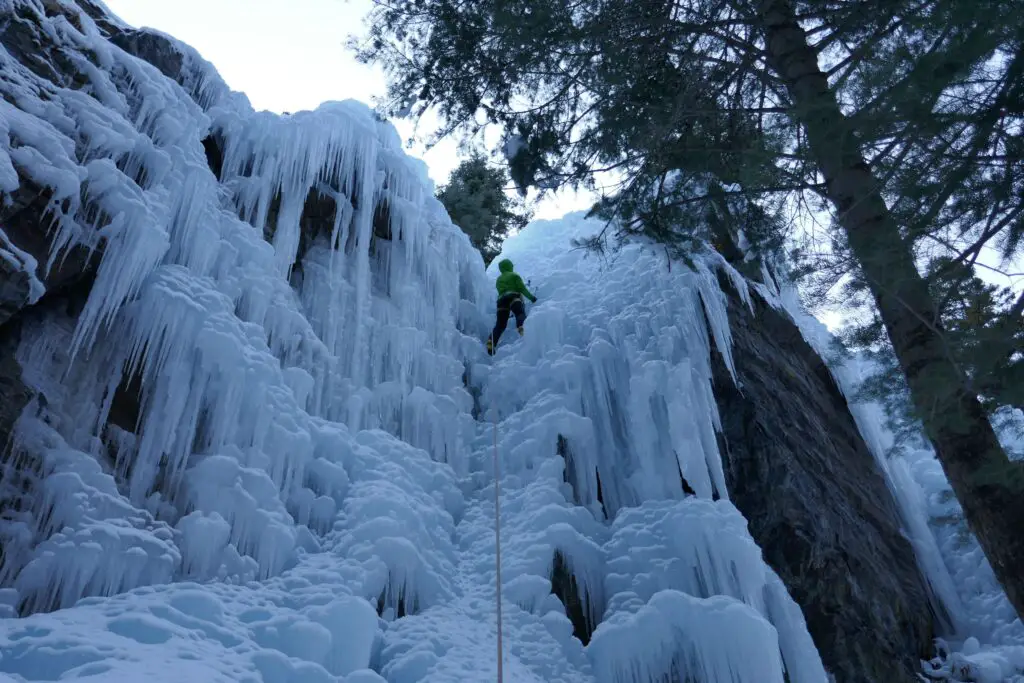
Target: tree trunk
(988, 485)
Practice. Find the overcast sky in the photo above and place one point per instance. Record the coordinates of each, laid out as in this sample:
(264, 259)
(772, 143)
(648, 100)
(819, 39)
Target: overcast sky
(290, 56)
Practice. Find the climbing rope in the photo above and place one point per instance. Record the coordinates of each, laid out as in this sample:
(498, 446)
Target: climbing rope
(497, 536)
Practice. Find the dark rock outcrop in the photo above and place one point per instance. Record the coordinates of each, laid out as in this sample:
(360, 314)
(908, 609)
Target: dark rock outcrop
(99, 15)
(14, 395)
(27, 214)
(151, 47)
(817, 501)
(26, 219)
(14, 289)
(567, 589)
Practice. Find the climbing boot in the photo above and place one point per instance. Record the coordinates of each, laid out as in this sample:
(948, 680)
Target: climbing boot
(520, 329)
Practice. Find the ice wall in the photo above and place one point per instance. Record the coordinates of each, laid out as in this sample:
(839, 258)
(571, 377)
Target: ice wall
(249, 324)
(986, 638)
(628, 350)
(606, 432)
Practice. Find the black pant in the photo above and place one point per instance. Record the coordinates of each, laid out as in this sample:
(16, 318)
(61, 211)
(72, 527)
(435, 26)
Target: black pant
(510, 303)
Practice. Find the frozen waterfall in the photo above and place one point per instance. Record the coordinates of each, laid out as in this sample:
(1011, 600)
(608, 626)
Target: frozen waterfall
(259, 445)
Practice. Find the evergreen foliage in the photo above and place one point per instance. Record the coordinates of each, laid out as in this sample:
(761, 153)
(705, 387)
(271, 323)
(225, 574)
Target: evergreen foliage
(476, 199)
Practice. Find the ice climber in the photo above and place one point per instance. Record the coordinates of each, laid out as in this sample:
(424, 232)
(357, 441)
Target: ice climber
(511, 290)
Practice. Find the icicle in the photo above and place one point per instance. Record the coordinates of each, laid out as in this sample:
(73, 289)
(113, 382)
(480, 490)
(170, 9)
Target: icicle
(135, 242)
(799, 654)
(699, 547)
(95, 542)
(715, 307)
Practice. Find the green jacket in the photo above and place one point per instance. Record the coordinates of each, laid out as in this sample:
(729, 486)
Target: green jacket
(509, 281)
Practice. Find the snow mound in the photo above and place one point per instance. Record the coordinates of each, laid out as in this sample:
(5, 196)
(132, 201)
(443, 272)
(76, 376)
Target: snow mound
(208, 633)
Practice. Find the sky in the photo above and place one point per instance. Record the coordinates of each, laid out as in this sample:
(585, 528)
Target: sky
(291, 56)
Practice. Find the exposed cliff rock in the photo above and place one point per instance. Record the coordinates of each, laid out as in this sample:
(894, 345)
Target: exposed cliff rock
(153, 47)
(817, 502)
(14, 395)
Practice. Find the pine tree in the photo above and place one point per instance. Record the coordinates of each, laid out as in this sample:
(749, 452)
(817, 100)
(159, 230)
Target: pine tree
(983, 332)
(938, 110)
(476, 199)
(687, 100)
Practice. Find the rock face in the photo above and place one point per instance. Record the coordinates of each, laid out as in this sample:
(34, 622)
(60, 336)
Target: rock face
(26, 216)
(817, 502)
(293, 262)
(14, 395)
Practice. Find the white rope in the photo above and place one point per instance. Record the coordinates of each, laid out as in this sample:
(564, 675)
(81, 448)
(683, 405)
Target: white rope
(497, 539)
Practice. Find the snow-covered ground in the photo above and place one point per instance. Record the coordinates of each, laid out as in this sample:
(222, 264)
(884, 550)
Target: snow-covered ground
(307, 453)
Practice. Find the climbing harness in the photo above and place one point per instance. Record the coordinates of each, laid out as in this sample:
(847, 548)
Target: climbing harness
(497, 535)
